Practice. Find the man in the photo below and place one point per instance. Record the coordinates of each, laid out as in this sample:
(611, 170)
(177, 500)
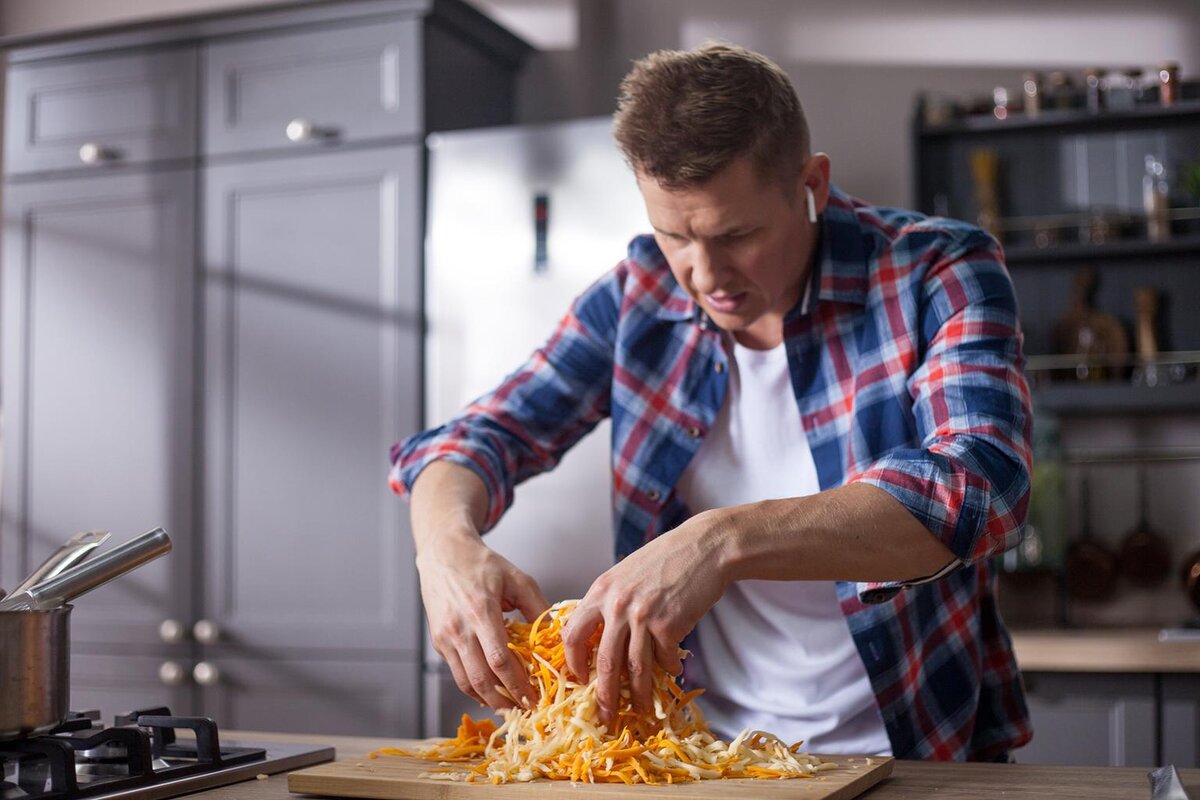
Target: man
(820, 438)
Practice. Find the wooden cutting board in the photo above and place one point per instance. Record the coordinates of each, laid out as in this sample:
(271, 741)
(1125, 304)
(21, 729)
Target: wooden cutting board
(397, 778)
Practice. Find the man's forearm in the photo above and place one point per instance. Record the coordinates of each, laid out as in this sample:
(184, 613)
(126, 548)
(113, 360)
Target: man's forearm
(447, 500)
(857, 532)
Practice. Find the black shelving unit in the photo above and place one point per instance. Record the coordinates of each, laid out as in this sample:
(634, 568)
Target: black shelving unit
(1057, 172)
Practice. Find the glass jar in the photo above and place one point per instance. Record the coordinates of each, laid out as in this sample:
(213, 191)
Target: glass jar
(1059, 91)
(1168, 83)
(1125, 89)
(1031, 87)
(1155, 193)
(1094, 84)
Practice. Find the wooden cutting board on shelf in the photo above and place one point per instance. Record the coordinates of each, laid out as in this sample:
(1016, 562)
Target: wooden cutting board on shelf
(398, 778)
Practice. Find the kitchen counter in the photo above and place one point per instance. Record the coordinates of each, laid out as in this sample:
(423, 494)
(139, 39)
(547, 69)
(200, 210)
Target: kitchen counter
(1109, 650)
(910, 779)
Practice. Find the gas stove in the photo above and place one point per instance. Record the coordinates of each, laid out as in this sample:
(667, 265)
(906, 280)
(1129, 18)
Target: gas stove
(139, 756)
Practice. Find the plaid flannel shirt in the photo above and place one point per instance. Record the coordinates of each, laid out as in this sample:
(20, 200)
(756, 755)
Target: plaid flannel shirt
(907, 374)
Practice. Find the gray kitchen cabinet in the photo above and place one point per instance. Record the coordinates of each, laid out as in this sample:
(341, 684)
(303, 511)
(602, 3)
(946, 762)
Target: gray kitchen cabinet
(98, 335)
(217, 329)
(118, 684)
(346, 84)
(127, 108)
(1181, 720)
(313, 695)
(312, 343)
(1091, 719)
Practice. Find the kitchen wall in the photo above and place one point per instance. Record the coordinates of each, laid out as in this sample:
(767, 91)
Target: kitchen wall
(857, 66)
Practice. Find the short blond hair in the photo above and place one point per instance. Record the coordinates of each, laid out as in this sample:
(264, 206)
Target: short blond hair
(683, 116)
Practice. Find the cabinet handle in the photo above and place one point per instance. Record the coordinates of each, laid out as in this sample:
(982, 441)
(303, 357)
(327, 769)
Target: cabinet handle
(94, 153)
(303, 130)
(206, 632)
(206, 674)
(172, 673)
(171, 631)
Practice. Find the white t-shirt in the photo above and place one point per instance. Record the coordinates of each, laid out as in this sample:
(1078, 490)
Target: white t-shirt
(774, 655)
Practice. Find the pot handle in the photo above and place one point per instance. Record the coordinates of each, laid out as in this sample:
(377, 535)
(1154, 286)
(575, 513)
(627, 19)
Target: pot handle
(56, 591)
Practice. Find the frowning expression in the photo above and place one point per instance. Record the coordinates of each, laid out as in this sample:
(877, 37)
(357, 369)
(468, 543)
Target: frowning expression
(739, 245)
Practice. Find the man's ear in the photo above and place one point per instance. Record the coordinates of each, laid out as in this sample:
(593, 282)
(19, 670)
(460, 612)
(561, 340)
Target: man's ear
(814, 178)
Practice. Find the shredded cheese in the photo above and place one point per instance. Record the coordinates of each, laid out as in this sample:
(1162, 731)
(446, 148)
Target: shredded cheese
(562, 738)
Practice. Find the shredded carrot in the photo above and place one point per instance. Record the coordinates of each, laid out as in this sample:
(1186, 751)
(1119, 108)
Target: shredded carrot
(562, 738)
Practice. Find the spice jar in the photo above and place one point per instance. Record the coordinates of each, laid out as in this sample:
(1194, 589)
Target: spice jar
(1031, 86)
(1058, 90)
(1124, 89)
(1093, 81)
(1000, 102)
(1168, 83)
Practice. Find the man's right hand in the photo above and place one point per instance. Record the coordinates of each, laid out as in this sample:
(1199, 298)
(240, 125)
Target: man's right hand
(466, 586)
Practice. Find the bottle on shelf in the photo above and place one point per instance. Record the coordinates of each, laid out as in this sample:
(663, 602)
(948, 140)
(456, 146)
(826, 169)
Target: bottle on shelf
(1059, 91)
(1031, 87)
(1095, 338)
(1095, 85)
(985, 174)
(1155, 192)
(1168, 83)
(1000, 102)
(1145, 336)
(1125, 89)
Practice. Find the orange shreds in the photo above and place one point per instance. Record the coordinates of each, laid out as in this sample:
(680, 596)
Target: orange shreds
(562, 737)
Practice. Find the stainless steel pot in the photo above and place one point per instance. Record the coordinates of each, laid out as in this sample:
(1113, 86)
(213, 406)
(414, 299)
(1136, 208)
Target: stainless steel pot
(35, 675)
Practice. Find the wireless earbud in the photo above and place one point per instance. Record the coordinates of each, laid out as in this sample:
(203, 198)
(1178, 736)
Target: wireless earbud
(812, 203)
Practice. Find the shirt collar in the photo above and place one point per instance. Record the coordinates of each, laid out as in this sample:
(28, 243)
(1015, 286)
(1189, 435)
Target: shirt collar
(841, 274)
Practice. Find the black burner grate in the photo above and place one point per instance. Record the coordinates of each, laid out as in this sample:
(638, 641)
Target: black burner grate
(147, 753)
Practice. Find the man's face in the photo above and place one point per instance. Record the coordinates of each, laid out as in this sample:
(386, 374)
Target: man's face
(738, 245)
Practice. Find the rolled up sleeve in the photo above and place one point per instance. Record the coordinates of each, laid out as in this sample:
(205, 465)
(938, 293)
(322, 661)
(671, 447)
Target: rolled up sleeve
(969, 480)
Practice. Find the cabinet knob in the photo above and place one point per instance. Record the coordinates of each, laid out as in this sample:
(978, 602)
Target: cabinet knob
(93, 153)
(171, 631)
(171, 673)
(303, 130)
(206, 674)
(206, 631)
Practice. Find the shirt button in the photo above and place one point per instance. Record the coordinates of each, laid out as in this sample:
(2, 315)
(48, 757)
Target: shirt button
(694, 432)
(653, 495)
(720, 366)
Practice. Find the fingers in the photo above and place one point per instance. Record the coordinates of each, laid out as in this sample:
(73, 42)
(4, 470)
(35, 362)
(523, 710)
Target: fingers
(668, 657)
(610, 661)
(528, 598)
(460, 676)
(580, 627)
(503, 665)
(481, 677)
(641, 667)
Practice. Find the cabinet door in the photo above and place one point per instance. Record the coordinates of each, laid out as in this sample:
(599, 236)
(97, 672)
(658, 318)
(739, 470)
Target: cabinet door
(133, 107)
(349, 83)
(312, 370)
(330, 697)
(118, 684)
(98, 377)
(1091, 720)
(1181, 720)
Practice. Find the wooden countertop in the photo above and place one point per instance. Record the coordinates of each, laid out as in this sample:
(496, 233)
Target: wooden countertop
(911, 780)
(1103, 650)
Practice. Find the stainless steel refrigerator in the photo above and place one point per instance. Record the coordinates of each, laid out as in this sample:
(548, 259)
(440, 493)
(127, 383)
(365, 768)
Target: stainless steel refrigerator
(520, 221)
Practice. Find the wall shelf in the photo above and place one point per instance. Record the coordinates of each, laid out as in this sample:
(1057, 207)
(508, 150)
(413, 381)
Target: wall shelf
(1133, 248)
(1117, 398)
(1065, 120)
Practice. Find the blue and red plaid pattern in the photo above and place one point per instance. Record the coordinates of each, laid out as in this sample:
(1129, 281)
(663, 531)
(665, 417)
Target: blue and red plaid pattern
(907, 371)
